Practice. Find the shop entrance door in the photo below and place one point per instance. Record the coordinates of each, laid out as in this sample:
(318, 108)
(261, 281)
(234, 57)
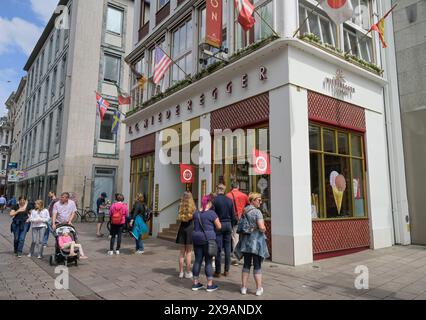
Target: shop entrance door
(104, 181)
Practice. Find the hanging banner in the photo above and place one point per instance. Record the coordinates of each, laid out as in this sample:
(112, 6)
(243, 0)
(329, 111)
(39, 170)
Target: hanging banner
(187, 173)
(261, 162)
(214, 23)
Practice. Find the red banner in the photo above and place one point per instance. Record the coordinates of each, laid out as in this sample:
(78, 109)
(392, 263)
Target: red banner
(214, 23)
(261, 162)
(187, 173)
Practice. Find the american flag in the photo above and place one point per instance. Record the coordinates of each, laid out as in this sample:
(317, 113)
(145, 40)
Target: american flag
(162, 64)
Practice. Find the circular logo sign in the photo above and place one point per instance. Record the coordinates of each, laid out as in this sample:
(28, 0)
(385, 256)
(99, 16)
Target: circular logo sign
(261, 163)
(187, 175)
(336, 4)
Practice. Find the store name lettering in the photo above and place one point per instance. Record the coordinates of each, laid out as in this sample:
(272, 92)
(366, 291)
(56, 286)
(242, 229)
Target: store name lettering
(263, 75)
(338, 87)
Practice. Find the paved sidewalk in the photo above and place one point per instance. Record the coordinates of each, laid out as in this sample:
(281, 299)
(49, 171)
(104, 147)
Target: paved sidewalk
(394, 273)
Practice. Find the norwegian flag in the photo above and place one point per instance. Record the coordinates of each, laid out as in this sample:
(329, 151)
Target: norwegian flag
(338, 10)
(245, 11)
(162, 64)
(103, 105)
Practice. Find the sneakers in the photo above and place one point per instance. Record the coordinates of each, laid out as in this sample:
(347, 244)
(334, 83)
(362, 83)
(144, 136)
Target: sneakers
(39, 257)
(243, 291)
(19, 255)
(188, 275)
(212, 288)
(117, 252)
(110, 253)
(29, 255)
(235, 263)
(139, 252)
(181, 275)
(259, 291)
(196, 287)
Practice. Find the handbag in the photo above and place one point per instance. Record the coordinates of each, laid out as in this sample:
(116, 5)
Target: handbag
(212, 245)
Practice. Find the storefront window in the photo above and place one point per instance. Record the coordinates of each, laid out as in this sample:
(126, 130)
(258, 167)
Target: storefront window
(337, 173)
(142, 178)
(236, 168)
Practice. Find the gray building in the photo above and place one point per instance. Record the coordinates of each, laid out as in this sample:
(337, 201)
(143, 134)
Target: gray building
(409, 20)
(80, 51)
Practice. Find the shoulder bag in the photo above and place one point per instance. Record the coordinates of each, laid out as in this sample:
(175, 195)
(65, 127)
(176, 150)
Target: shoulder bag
(212, 245)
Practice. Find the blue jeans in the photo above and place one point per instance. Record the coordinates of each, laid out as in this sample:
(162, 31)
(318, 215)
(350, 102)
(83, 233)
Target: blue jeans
(224, 241)
(139, 244)
(201, 252)
(46, 234)
(20, 229)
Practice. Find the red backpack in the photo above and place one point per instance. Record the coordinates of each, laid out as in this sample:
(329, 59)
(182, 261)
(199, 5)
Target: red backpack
(116, 215)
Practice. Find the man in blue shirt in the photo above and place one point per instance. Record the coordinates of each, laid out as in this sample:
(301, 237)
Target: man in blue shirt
(2, 203)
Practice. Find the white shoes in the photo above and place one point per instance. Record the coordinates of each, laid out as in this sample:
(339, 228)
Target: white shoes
(140, 252)
(259, 292)
(188, 275)
(110, 253)
(243, 291)
(181, 275)
(29, 255)
(117, 252)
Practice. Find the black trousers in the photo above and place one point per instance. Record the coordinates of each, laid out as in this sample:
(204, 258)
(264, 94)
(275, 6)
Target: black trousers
(116, 231)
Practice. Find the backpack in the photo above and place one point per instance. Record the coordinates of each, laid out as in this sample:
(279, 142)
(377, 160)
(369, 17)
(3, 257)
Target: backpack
(244, 225)
(116, 215)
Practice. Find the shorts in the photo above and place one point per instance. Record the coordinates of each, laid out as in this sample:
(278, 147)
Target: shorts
(101, 217)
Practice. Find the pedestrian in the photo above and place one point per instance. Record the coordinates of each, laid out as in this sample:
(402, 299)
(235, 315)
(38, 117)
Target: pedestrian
(205, 222)
(20, 224)
(64, 210)
(118, 213)
(39, 219)
(52, 197)
(101, 207)
(2, 203)
(252, 245)
(240, 200)
(138, 222)
(65, 241)
(224, 209)
(184, 236)
(12, 202)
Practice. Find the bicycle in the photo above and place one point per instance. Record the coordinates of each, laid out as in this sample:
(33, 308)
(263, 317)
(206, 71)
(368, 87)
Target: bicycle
(85, 215)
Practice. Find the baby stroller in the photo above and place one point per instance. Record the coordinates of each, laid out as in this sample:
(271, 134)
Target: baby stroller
(63, 255)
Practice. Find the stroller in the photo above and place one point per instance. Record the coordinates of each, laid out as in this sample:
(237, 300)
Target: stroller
(63, 255)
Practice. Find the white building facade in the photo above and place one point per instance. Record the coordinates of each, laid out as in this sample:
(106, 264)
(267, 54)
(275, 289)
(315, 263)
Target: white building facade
(81, 51)
(330, 188)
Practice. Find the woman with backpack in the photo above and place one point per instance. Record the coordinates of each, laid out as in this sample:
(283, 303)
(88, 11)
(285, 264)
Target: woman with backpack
(252, 244)
(138, 222)
(184, 236)
(118, 213)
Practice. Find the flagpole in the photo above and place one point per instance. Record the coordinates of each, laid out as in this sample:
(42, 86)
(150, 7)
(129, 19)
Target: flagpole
(186, 75)
(306, 19)
(265, 22)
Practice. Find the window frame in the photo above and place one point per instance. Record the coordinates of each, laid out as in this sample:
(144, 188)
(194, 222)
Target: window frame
(110, 111)
(188, 51)
(161, 7)
(121, 10)
(112, 55)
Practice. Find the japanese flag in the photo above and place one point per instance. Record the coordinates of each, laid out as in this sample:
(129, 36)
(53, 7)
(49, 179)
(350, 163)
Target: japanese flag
(338, 10)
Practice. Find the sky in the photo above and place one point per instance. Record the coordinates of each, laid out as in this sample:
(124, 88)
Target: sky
(21, 24)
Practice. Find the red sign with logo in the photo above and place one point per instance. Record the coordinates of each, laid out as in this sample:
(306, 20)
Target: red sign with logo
(214, 23)
(187, 173)
(261, 162)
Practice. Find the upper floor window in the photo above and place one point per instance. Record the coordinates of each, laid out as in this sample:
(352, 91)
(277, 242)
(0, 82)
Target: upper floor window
(46, 90)
(53, 90)
(42, 63)
(357, 44)
(58, 41)
(152, 88)
(317, 24)
(114, 20)
(161, 3)
(261, 30)
(145, 12)
(362, 13)
(50, 49)
(63, 70)
(106, 125)
(137, 91)
(112, 68)
(182, 51)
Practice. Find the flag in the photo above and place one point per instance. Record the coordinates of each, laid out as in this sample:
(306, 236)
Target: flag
(338, 10)
(187, 173)
(103, 105)
(162, 64)
(116, 123)
(123, 99)
(261, 162)
(380, 27)
(245, 14)
(139, 77)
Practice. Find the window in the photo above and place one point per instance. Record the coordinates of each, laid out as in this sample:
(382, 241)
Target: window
(58, 125)
(317, 24)
(114, 20)
(34, 144)
(46, 91)
(42, 138)
(3, 164)
(337, 173)
(50, 49)
(42, 64)
(261, 30)
(63, 71)
(202, 31)
(357, 44)
(182, 51)
(53, 90)
(142, 178)
(145, 12)
(152, 88)
(137, 91)
(111, 68)
(362, 15)
(161, 3)
(58, 41)
(106, 127)
(38, 101)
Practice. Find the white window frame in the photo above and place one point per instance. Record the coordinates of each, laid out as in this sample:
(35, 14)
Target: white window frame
(121, 10)
(118, 71)
(181, 55)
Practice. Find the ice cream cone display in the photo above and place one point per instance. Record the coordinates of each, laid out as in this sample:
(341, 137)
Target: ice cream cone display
(338, 184)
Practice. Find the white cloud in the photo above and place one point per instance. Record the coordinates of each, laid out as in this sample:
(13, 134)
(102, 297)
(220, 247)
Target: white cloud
(18, 33)
(44, 8)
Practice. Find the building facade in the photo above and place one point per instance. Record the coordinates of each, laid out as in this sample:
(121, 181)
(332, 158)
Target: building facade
(410, 44)
(320, 114)
(5, 142)
(81, 51)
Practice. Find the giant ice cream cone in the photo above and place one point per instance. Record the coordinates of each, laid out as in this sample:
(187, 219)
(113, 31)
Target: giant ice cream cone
(338, 197)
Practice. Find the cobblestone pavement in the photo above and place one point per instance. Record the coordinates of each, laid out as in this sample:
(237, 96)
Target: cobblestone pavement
(398, 272)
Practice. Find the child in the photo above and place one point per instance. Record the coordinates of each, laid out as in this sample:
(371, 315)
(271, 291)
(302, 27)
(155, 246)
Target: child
(139, 228)
(39, 218)
(66, 242)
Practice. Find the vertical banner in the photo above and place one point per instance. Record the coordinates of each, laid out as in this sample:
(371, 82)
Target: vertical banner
(214, 23)
(187, 173)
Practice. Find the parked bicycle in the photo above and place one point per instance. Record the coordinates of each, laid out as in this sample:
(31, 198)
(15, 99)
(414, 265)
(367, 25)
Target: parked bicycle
(85, 215)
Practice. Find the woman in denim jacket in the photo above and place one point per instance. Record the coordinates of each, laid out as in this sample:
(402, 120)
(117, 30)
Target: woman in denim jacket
(252, 246)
